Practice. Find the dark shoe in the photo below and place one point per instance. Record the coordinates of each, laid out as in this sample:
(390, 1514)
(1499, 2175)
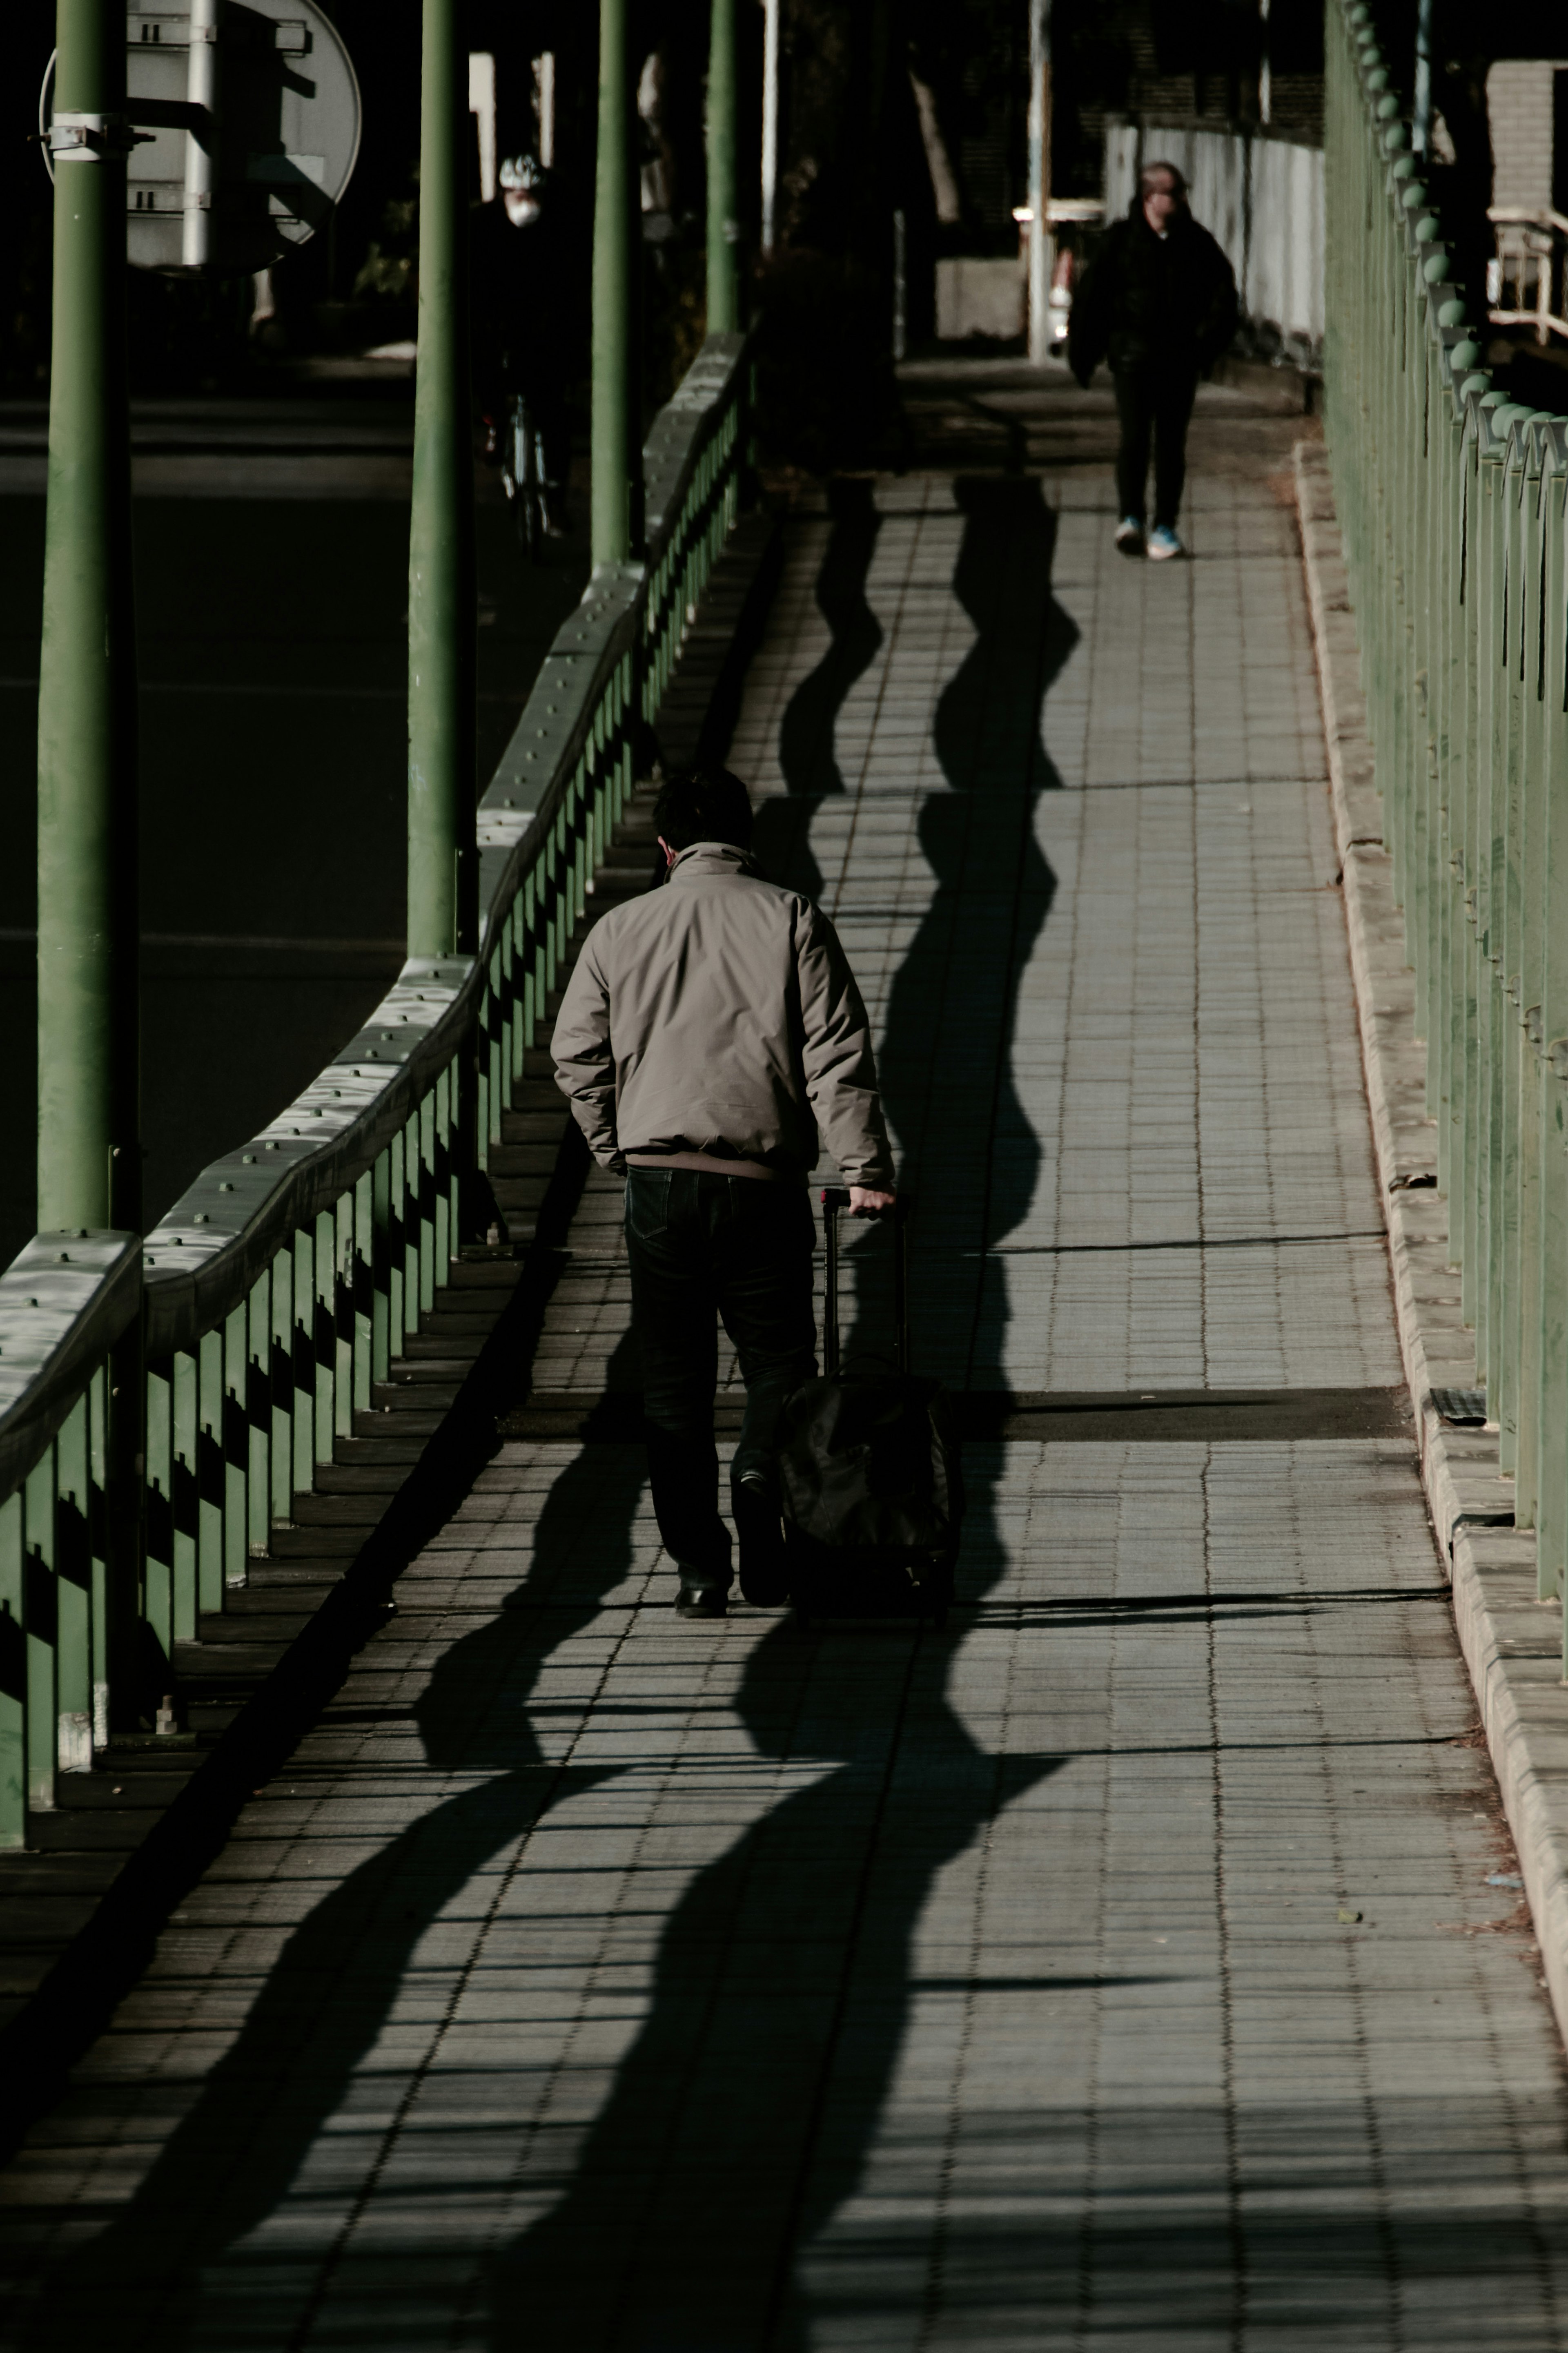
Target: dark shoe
(701, 1602)
(764, 1565)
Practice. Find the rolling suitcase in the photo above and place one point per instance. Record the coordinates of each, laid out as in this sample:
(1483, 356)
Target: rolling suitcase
(869, 1469)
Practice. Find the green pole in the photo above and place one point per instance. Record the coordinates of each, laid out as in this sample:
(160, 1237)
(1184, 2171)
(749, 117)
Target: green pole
(443, 909)
(615, 524)
(723, 228)
(89, 1157)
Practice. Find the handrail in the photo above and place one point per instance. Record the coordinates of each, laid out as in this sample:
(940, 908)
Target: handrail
(278, 1288)
(1540, 216)
(1516, 257)
(1453, 503)
(65, 1300)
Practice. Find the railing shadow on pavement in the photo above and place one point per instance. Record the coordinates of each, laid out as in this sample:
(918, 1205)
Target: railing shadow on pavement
(163, 1399)
(784, 1978)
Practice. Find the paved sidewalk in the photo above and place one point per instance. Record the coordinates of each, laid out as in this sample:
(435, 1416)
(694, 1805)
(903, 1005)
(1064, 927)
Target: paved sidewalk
(1135, 1965)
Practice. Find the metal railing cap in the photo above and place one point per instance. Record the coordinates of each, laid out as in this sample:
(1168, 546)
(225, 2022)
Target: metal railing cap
(1555, 445)
(1490, 439)
(521, 800)
(1466, 405)
(1529, 437)
(672, 452)
(65, 1300)
(558, 711)
(203, 1256)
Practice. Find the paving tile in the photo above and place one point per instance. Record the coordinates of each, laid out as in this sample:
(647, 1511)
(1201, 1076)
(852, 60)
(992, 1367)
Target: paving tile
(592, 1979)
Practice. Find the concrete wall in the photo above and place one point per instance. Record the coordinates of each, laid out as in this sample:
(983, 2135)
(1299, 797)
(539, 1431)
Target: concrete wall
(1519, 102)
(1262, 198)
(979, 297)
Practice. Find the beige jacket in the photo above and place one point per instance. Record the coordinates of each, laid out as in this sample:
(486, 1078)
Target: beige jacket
(718, 1013)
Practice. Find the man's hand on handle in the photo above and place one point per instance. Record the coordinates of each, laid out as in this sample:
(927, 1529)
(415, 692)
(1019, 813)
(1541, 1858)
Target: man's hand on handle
(864, 1202)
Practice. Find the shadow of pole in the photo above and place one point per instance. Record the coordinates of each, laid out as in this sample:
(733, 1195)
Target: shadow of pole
(807, 755)
(946, 1064)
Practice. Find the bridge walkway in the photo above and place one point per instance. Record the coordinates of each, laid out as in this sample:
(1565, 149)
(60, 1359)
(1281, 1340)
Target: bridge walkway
(1135, 1962)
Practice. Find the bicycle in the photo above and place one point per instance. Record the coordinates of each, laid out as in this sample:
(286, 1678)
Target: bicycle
(522, 474)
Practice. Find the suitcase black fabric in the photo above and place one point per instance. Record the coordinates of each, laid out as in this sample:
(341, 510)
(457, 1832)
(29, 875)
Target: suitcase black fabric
(869, 1472)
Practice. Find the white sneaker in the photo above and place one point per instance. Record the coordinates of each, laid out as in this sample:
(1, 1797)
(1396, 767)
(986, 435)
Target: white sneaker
(1130, 535)
(1162, 544)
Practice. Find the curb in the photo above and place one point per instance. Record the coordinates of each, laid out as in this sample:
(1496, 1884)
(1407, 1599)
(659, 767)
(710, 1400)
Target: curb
(1512, 1642)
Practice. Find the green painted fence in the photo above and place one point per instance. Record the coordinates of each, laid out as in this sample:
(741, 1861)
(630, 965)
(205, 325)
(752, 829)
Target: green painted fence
(163, 1399)
(1451, 503)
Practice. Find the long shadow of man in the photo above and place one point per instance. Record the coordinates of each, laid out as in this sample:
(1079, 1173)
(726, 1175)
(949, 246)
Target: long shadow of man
(745, 2113)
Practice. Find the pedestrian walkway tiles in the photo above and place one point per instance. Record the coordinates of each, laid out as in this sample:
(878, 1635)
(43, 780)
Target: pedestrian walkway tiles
(1137, 1962)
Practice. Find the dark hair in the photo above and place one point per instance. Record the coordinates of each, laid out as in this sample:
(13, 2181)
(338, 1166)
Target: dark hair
(1158, 163)
(703, 805)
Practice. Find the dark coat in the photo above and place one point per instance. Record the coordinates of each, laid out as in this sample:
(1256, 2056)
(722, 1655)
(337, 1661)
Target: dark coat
(1145, 301)
(525, 325)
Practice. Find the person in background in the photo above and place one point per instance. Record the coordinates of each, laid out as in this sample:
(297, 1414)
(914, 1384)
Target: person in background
(522, 321)
(1157, 301)
(706, 1030)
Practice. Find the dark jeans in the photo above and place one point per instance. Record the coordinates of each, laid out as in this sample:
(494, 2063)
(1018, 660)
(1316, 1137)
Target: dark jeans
(1158, 401)
(699, 1245)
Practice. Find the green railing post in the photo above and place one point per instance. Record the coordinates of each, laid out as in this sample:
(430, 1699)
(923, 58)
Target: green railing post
(90, 1159)
(723, 227)
(617, 523)
(1551, 1521)
(443, 907)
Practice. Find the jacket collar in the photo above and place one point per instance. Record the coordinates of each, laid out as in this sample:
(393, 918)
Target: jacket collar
(711, 858)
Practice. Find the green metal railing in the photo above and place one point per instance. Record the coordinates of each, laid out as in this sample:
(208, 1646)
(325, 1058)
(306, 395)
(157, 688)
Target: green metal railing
(163, 1400)
(1451, 501)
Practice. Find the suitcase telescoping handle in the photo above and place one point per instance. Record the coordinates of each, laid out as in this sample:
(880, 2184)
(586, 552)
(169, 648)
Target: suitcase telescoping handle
(835, 1204)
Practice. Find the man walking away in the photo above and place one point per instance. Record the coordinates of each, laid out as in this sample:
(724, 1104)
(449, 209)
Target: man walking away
(709, 1027)
(1159, 301)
